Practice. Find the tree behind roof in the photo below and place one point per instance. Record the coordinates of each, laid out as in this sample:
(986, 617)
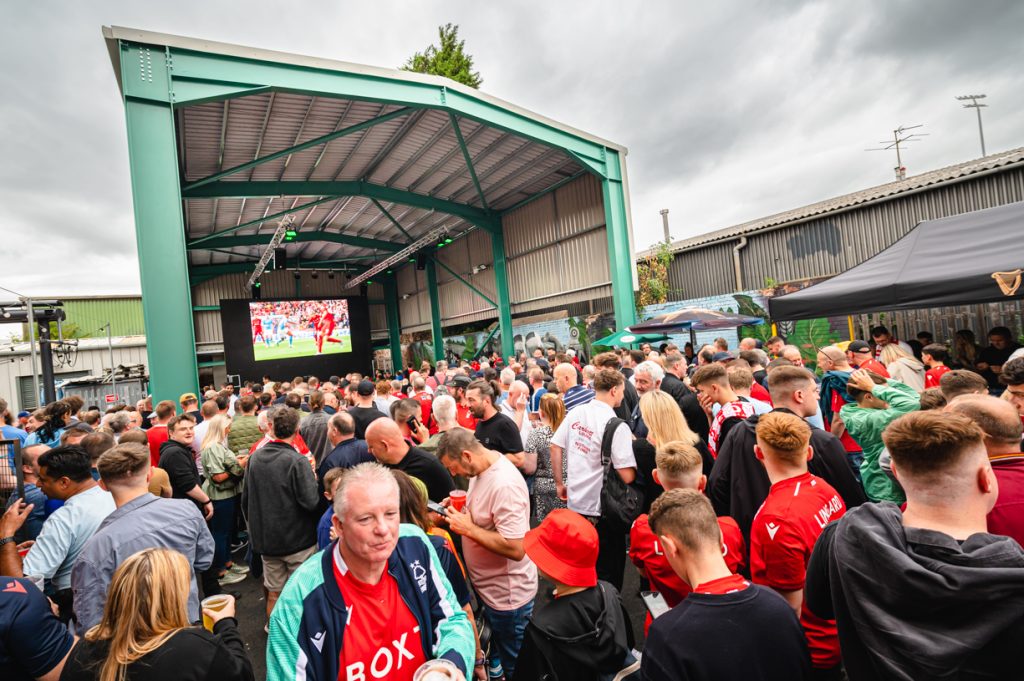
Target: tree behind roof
(449, 60)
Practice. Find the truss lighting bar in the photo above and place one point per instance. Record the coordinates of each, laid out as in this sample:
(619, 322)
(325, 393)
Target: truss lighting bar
(268, 253)
(430, 238)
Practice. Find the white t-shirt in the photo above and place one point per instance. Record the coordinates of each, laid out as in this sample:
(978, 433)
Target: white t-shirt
(580, 437)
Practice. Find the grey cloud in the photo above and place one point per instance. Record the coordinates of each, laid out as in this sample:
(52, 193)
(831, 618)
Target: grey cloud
(731, 110)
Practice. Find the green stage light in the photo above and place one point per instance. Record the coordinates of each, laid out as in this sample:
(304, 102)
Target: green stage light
(290, 234)
(447, 240)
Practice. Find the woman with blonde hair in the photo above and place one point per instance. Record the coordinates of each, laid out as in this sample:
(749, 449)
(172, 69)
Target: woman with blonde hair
(665, 423)
(551, 412)
(223, 484)
(902, 366)
(145, 634)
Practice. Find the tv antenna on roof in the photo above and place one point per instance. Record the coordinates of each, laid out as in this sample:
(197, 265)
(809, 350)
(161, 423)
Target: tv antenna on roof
(901, 136)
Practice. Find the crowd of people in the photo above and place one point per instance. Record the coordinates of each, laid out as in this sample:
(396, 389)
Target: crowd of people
(860, 521)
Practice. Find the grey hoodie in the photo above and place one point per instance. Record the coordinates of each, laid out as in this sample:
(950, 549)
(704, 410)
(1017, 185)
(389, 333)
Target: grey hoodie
(917, 604)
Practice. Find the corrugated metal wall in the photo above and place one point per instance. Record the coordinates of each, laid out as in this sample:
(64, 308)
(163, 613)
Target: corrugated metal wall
(557, 249)
(277, 284)
(87, 362)
(834, 243)
(91, 316)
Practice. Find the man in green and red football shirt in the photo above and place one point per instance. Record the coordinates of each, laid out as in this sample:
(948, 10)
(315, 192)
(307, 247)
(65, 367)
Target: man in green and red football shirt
(782, 536)
(934, 357)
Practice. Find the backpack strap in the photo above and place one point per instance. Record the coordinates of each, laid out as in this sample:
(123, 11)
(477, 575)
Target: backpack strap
(606, 441)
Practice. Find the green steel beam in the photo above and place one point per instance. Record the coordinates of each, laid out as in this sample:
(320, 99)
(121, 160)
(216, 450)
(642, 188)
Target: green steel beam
(468, 285)
(202, 77)
(316, 141)
(619, 257)
(205, 308)
(159, 227)
(392, 219)
(469, 160)
(394, 323)
(300, 237)
(257, 221)
(435, 311)
(501, 286)
(214, 363)
(239, 190)
(487, 340)
(202, 273)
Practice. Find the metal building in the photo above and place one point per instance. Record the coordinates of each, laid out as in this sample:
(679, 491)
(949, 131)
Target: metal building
(225, 141)
(826, 238)
(90, 358)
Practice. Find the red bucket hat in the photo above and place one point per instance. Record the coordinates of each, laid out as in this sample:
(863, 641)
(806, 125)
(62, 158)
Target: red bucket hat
(564, 546)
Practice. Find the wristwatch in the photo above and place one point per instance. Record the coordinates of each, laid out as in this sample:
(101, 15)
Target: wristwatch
(6, 540)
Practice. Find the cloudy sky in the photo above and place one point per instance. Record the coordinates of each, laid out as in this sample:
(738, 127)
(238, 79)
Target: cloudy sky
(731, 110)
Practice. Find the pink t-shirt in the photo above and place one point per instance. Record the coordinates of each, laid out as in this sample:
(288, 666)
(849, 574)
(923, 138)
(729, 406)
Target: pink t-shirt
(499, 501)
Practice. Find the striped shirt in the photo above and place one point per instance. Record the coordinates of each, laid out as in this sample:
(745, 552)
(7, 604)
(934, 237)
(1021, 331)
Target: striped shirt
(576, 396)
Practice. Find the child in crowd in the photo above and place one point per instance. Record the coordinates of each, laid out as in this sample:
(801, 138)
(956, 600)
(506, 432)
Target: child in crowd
(584, 634)
(678, 467)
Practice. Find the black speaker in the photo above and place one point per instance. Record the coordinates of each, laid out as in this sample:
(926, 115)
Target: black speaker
(280, 259)
(421, 261)
(256, 291)
(363, 289)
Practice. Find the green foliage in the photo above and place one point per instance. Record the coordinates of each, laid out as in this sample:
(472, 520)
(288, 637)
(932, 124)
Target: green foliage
(449, 60)
(652, 273)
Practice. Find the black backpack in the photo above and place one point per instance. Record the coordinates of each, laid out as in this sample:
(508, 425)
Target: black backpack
(620, 503)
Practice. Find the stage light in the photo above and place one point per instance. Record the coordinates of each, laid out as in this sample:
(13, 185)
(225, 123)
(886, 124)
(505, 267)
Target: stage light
(330, 275)
(316, 275)
(290, 235)
(298, 276)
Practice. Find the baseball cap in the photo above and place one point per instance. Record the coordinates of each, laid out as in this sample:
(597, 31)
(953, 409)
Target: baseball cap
(458, 381)
(564, 546)
(858, 346)
(722, 357)
(366, 388)
(23, 414)
(188, 397)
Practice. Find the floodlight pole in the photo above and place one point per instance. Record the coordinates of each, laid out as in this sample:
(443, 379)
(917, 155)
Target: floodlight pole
(32, 346)
(977, 107)
(110, 347)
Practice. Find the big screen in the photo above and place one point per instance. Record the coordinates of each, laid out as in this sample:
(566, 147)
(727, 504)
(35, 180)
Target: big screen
(286, 329)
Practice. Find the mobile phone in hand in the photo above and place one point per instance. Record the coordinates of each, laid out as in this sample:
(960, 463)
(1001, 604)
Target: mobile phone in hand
(655, 603)
(437, 508)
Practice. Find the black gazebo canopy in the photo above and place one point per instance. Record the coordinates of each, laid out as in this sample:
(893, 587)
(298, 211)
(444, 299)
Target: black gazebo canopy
(965, 259)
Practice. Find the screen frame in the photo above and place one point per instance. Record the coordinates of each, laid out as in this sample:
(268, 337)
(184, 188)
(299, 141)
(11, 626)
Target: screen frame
(239, 358)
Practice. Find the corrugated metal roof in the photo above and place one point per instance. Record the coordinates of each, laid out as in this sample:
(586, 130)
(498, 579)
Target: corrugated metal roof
(416, 150)
(846, 201)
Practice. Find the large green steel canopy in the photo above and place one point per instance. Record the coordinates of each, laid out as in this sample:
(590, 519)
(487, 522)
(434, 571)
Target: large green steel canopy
(225, 141)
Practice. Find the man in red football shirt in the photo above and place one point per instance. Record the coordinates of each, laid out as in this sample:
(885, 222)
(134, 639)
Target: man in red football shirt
(861, 356)
(457, 386)
(679, 467)
(157, 433)
(397, 609)
(798, 507)
(934, 357)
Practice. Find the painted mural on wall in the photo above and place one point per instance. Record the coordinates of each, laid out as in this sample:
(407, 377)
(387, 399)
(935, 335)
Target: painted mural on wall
(579, 333)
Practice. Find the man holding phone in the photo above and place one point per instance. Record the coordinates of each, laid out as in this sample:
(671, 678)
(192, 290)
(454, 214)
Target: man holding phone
(725, 613)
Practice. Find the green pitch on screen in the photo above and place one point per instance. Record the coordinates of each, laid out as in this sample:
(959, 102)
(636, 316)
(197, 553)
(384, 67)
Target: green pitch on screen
(302, 347)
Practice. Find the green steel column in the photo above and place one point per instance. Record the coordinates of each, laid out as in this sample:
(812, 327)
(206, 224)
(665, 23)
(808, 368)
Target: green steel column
(159, 226)
(394, 324)
(501, 286)
(437, 339)
(620, 259)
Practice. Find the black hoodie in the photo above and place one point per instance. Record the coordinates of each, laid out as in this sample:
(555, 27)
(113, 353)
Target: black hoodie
(914, 604)
(738, 483)
(578, 637)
